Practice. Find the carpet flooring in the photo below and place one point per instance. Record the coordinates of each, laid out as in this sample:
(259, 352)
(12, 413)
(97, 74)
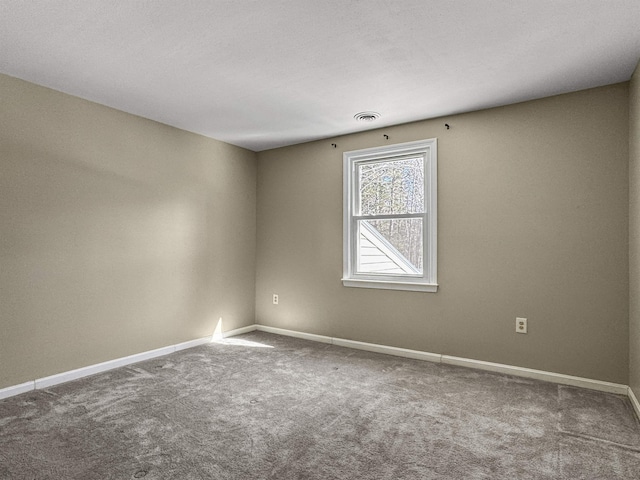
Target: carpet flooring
(263, 406)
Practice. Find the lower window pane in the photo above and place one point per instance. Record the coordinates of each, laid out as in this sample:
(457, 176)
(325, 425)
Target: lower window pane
(390, 247)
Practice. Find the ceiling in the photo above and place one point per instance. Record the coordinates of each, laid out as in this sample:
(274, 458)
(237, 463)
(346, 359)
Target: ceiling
(269, 73)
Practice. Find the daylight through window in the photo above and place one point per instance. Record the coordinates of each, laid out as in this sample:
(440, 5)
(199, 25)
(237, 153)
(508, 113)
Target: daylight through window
(390, 217)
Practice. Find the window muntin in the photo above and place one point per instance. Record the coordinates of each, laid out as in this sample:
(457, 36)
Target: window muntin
(390, 217)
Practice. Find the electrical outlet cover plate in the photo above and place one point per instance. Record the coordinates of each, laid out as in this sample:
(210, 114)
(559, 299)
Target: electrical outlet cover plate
(521, 325)
(275, 299)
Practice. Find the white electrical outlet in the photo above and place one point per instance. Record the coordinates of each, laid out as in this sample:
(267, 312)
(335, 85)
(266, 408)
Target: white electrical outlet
(521, 325)
(275, 299)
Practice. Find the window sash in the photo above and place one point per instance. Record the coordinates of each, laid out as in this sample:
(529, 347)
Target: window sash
(354, 250)
(391, 251)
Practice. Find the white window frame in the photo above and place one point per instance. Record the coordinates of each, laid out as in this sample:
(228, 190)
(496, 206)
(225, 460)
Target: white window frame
(427, 282)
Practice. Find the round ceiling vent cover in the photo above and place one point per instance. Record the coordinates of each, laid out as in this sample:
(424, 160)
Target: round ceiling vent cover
(366, 116)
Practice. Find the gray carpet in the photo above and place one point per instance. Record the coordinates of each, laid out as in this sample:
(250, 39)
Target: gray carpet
(270, 407)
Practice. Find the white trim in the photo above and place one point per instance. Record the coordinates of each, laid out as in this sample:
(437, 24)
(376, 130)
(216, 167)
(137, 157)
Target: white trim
(387, 350)
(388, 285)
(78, 373)
(552, 377)
(558, 378)
(17, 389)
(70, 375)
(634, 402)
(191, 343)
(292, 333)
(240, 331)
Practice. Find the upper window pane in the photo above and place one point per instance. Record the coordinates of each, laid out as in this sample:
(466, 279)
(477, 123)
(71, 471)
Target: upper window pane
(391, 187)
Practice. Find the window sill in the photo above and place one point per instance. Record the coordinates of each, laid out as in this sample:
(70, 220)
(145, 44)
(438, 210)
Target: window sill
(387, 285)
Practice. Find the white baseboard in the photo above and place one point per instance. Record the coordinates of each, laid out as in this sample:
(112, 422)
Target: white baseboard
(342, 342)
(190, 344)
(553, 377)
(116, 363)
(634, 402)
(16, 389)
(240, 331)
(292, 333)
(398, 352)
(371, 347)
(70, 375)
(63, 377)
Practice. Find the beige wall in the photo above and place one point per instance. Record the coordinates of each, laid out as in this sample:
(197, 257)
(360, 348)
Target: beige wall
(117, 234)
(120, 235)
(634, 233)
(533, 202)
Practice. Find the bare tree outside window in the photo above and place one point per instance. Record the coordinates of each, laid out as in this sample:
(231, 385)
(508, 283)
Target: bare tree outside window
(395, 187)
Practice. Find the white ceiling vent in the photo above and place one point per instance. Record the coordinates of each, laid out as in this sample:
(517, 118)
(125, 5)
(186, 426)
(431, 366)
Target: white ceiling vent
(366, 116)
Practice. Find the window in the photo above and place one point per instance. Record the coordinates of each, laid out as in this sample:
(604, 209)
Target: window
(390, 217)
